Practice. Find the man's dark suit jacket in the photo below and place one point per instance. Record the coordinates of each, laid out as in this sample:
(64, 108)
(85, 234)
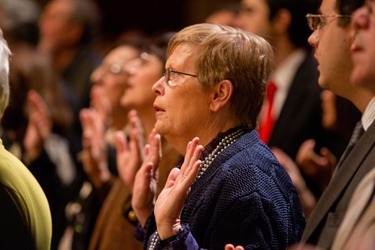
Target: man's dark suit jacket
(328, 214)
(301, 115)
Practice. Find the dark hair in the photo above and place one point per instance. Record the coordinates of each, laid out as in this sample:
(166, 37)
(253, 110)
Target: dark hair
(157, 45)
(86, 13)
(298, 30)
(231, 6)
(347, 7)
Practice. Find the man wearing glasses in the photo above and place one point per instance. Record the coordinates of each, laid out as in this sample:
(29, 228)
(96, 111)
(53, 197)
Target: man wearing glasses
(332, 40)
(327, 228)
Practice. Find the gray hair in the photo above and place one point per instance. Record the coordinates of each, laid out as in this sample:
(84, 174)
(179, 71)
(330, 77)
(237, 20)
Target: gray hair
(4, 73)
(225, 52)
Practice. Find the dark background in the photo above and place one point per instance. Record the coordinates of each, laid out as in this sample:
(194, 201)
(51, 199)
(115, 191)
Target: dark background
(151, 16)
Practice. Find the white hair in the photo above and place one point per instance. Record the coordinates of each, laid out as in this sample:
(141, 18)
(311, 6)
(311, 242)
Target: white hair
(4, 74)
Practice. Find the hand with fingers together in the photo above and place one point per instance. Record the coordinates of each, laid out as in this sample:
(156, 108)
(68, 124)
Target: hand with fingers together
(39, 126)
(319, 166)
(172, 198)
(130, 154)
(100, 102)
(146, 179)
(94, 152)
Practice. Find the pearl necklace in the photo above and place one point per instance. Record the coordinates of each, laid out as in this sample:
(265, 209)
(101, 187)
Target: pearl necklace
(223, 144)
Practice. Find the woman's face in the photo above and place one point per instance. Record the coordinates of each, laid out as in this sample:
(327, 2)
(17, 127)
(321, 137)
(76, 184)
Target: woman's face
(182, 107)
(111, 75)
(142, 72)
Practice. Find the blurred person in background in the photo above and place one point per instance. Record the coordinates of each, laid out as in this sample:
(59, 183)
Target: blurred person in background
(224, 13)
(292, 111)
(36, 128)
(104, 117)
(117, 215)
(67, 32)
(135, 63)
(25, 214)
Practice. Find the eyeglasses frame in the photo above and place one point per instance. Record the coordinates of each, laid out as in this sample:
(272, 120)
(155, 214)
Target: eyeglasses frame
(167, 75)
(310, 17)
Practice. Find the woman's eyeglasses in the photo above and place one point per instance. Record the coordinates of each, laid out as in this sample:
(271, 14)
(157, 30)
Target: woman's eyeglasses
(169, 75)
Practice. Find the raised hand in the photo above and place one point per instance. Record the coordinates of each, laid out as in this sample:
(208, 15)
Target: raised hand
(39, 126)
(316, 165)
(146, 179)
(171, 200)
(94, 153)
(130, 155)
(101, 103)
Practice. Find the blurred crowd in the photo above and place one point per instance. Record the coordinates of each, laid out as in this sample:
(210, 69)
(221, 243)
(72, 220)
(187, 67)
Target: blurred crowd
(81, 109)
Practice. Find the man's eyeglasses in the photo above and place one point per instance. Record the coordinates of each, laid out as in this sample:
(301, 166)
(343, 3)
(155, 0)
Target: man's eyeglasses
(318, 21)
(169, 76)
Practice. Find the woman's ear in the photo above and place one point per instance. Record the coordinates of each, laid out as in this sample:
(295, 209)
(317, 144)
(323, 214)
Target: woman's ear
(221, 95)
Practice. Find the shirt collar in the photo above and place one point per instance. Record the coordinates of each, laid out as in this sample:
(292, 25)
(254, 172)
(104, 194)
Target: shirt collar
(369, 114)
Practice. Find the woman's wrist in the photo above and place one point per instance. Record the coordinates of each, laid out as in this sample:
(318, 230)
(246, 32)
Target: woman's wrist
(166, 232)
(142, 216)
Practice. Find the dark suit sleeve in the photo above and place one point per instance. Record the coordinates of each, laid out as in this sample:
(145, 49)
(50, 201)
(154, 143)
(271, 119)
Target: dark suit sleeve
(14, 232)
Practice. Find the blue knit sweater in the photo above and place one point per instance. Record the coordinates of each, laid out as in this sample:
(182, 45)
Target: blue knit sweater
(245, 198)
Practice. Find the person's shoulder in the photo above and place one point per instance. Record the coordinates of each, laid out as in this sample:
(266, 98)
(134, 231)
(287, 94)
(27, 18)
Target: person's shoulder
(252, 150)
(250, 159)
(10, 164)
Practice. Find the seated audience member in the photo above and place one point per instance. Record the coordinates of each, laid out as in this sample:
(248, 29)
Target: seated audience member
(25, 215)
(236, 191)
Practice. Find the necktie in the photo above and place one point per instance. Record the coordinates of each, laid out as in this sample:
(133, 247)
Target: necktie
(357, 133)
(266, 126)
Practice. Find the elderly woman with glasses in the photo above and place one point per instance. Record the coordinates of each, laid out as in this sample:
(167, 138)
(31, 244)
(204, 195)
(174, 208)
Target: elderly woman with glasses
(230, 187)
